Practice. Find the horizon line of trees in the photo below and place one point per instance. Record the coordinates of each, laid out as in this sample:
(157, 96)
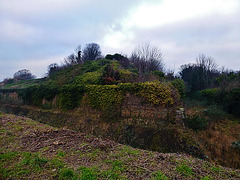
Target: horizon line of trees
(145, 58)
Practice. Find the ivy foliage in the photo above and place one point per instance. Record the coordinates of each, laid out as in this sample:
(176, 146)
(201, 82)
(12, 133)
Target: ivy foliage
(156, 93)
(180, 86)
(105, 83)
(34, 95)
(106, 98)
(71, 96)
(101, 97)
(109, 98)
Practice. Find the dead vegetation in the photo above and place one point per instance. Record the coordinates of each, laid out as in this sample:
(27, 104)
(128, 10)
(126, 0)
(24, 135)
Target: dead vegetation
(36, 151)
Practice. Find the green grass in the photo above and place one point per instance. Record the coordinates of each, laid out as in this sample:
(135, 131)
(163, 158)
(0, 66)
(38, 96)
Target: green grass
(131, 151)
(217, 169)
(185, 170)
(160, 176)
(23, 83)
(16, 164)
(24, 164)
(68, 174)
(207, 178)
(88, 173)
(61, 153)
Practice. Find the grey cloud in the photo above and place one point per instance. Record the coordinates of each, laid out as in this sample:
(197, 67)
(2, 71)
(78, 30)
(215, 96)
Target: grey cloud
(43, 32)
(216, 36)
(33, 31)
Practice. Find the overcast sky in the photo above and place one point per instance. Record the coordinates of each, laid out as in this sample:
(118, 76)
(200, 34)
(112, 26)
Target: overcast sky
(36, 33)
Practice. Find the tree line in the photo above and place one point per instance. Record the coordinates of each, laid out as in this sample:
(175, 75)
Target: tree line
(145, 59)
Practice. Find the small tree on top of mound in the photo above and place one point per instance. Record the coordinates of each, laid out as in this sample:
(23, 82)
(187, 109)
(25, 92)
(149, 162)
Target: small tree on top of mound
(147, 58)
(23, 74)
(91, 51)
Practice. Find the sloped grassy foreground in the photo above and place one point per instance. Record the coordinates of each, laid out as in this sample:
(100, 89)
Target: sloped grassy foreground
(37, 151)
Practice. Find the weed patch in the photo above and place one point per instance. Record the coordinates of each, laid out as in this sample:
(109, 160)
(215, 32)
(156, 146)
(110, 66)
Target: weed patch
(185, 170)
(160, 176)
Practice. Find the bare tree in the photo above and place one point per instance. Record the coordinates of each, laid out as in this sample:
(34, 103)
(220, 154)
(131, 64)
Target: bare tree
(200, 75)
(23, 74)
(53, 68)
(146, 58)
(91, 51)
(207, 63)
(70, 60)
(78, 51)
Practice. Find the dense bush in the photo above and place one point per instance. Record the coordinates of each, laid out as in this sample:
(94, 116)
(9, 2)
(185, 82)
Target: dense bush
(70, 96)
(107, 98)
(103, 96)
(159, 74)
(156, 93)
(124, 61)
(89, 78)
(91, 66)
(180, 86)
(196, 122)
(23, 74)
(110, 75)
(34, 95)
(232, 102)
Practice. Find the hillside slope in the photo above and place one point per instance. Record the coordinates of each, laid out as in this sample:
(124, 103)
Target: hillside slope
(36, 151)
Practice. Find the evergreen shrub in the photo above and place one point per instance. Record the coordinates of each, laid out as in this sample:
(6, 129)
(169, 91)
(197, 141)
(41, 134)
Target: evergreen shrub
(210, 95)
(231, 102)
(196, 122)
(180, 86)
(156, 93)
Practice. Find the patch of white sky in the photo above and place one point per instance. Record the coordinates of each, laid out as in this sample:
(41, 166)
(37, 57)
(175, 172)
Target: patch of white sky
(34, 65)
(15, 31)
(159, 13)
